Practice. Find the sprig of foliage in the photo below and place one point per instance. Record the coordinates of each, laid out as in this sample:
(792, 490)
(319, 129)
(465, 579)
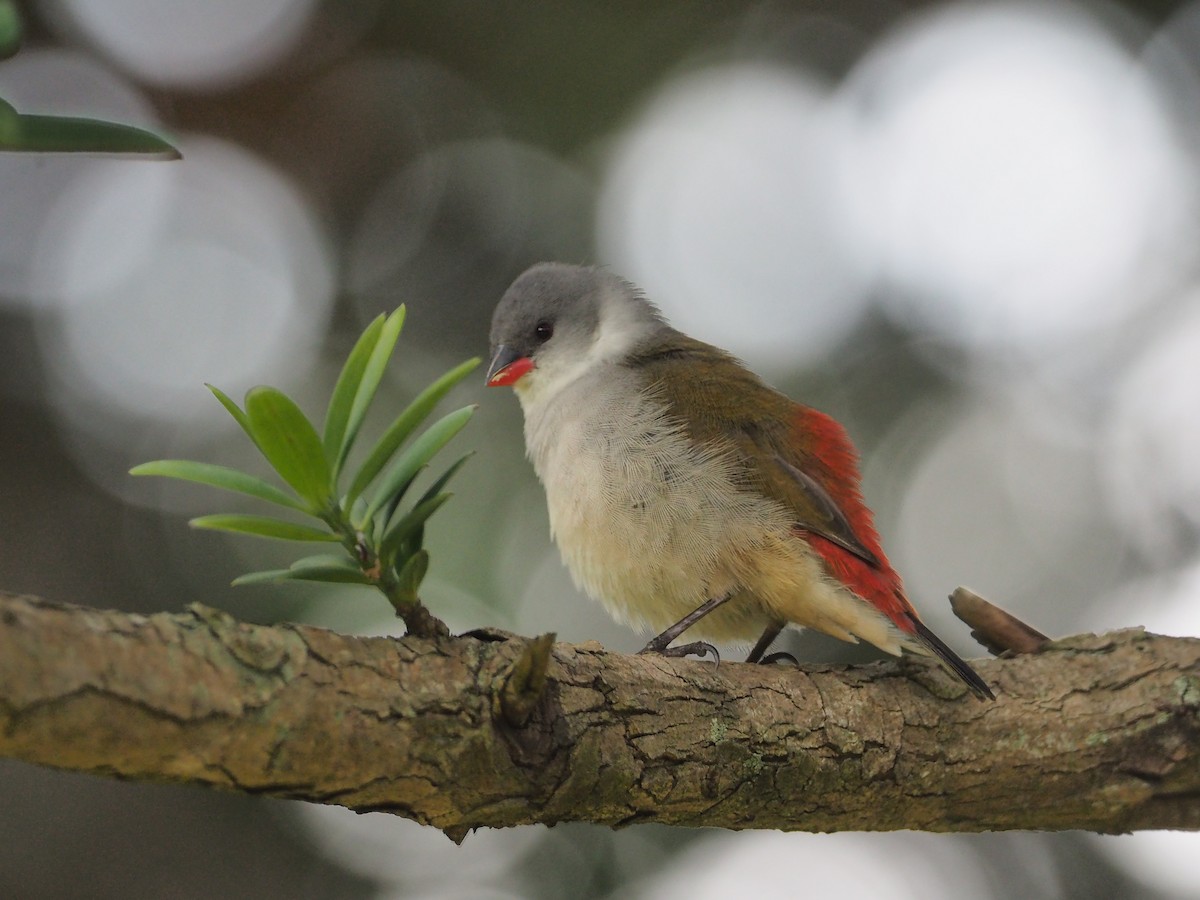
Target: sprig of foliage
(381, 537)
(26, 133)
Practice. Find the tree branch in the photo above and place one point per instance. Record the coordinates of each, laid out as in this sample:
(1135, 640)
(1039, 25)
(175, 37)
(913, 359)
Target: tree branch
(996, 629)
(1094, 732)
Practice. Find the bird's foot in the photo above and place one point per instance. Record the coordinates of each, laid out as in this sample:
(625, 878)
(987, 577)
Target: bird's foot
(662, 644)
(695, 648)
(761, 645)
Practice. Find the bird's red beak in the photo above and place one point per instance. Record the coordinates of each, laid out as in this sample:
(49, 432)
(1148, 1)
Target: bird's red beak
(508, 367)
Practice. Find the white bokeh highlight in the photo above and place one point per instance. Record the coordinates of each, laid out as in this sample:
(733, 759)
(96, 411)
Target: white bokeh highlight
(1003, 499)
(1152, 440)
(36, 187)
(779, 866)
(233, 281)
(717, 202)
(213, 44)
(422, 860)
(1015, 174)
(1162, 603)
(1163, 860)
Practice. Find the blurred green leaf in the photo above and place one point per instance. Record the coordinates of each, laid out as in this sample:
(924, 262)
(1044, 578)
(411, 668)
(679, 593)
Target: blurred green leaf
(290, 443)
(264, 576)
(321, 567)
(219, 477)
(25, 133)
(434, 489)
(406, 526)
(358, 509)
(233, 409)
(410, 576)
(398, 478)
(404, 425)
(10, 123)
(327, 574)
(10, 29)
(262, 526)
(340, 560)
(342, 400)
(385, 513)
(371, 377)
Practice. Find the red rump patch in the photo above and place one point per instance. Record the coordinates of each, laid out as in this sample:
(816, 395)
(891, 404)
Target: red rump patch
(833, 462)
(512, 373)
(880, 587)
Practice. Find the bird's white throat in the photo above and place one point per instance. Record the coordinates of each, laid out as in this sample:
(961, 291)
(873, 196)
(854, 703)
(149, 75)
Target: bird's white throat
(623, 322)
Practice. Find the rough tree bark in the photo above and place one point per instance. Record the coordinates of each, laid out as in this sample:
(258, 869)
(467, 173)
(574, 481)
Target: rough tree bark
(1093, 732)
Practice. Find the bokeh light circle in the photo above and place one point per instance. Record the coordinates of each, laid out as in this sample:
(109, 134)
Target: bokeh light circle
(37, 186)
(1001, 494)
(770, 865)
(1017, 176)
(1152, 440)
(212, 44)
(236, 282)
(717, 201)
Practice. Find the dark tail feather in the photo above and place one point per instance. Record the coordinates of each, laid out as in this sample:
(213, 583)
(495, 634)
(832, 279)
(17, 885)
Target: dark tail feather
(952, 661)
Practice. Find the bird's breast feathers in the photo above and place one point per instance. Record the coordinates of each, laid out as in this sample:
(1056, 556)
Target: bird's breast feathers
(652, 524)
(643, 517)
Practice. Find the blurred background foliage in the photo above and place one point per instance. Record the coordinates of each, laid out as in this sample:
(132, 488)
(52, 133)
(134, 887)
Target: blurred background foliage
(969, 230)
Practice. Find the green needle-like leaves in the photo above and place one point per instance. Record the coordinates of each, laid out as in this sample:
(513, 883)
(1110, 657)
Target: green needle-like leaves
(433, 489)
(290, 444)
(406, 526)
(436, 487)
(322, 567)
(234, 410)
(372, 374)
(404, 425)
(411, 574)
(23, 133)
(337, 417)
(62, 134)
(219, 477)
(381, 541)
(262, 526)
(398, 478)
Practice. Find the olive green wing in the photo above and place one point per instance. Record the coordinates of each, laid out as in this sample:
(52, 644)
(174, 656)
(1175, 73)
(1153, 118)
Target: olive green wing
(721, 402)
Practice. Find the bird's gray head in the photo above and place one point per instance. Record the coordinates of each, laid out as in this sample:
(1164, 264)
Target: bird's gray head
(556, 321)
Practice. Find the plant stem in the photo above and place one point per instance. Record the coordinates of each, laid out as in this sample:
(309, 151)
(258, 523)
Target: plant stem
(419, 621)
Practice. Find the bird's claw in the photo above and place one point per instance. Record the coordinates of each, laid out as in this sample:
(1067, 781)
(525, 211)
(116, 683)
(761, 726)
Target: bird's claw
(695, 648)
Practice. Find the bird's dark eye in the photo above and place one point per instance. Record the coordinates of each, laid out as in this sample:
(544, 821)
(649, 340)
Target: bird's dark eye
(543, 331)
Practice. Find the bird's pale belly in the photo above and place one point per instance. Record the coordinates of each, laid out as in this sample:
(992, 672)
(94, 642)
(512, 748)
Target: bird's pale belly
(651, 525)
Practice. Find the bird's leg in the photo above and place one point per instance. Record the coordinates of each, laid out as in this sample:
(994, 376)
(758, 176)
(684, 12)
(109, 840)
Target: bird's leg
(661, 643)
(779, 656)
(768, 638)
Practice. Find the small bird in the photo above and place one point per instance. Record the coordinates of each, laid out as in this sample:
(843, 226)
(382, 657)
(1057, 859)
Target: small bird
(684, 493)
